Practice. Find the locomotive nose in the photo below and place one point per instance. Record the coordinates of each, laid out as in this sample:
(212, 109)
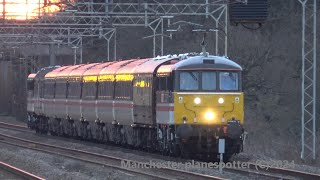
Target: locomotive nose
(209, 116)
(208, 108)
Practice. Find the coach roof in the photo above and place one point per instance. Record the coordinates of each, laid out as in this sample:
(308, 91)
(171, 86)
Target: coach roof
(151, 65)
(53, 73)
(81, 70)
(95, 70)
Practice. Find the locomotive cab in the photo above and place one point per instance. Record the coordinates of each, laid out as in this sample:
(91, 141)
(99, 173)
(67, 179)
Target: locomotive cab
(208, 105)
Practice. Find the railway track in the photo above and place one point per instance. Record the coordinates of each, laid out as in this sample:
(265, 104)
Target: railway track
(14, 127)
(275, 173)
(288, 172)
(18, 172)
(108, 161)
(253, 169)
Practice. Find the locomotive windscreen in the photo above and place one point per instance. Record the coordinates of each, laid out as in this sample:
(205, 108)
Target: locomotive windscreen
(208, 81)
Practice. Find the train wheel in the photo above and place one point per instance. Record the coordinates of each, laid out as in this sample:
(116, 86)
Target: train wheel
(106, 133)
(226, 157)
(135, 139)
(60, 128)
(29, 121)
(184, 151)
(174, 149)
(88, 131)
(52, 133)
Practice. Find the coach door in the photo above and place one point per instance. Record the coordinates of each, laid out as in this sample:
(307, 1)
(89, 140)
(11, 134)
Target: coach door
(142, 99)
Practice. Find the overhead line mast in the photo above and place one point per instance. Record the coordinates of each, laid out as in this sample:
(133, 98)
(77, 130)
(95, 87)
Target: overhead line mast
(308, 85)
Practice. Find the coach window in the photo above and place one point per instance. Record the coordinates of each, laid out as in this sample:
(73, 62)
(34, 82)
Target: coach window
(89, 90)
(123, 86)
(49, 89)
(137, 83)
(170, 83)
(30, 84)
(102, 90)
(106, 89)
(36, 88)
(162, 83)
(60, 89)
(42, 85)
(165, 83)
(123, 90)
(74, 89)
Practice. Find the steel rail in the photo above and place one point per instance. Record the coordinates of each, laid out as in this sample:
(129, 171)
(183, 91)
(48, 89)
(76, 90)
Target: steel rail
(13, 126)
(19, 172)
(289, 172)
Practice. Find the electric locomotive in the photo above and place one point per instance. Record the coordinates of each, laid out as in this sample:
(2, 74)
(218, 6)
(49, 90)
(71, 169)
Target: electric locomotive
(175, 104)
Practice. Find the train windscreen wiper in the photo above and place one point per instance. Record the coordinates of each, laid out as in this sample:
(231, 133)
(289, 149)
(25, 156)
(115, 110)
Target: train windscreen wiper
(193, 76)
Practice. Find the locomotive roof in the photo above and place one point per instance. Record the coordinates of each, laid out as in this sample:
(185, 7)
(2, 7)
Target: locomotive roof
(204, 63)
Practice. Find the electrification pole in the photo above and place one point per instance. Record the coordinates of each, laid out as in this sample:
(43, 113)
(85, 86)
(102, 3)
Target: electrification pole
(308, 85)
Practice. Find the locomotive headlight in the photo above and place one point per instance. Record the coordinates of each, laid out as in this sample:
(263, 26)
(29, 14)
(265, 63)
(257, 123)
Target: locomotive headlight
(197, 100)
(221, 100)
(209, 116)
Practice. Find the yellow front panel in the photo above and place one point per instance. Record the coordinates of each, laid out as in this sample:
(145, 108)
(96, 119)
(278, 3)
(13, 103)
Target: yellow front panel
(208, 110)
